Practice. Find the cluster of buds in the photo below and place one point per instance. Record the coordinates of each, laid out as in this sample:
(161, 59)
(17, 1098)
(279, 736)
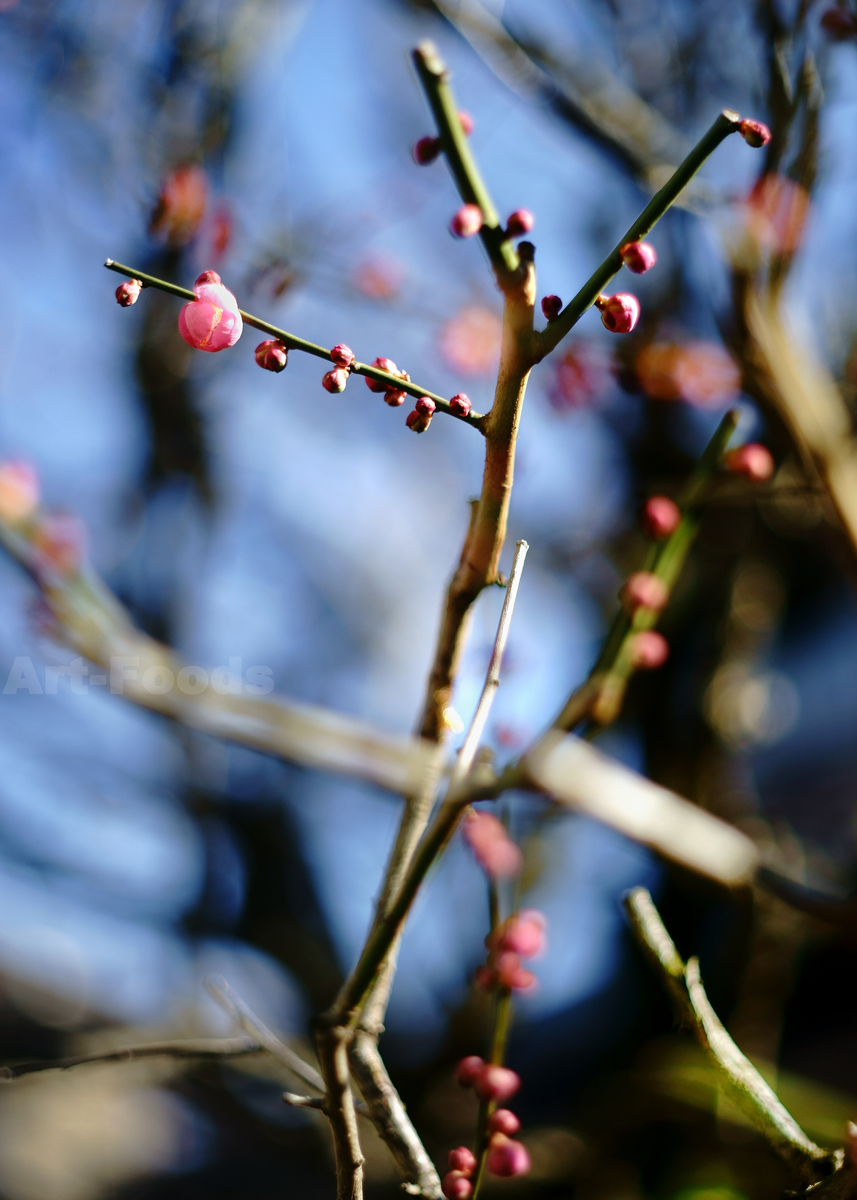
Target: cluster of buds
(522, 936)
(392, 395)
(505, 1157)
(420, 419)
(619, 313)
(491, 845)
(427, 149)
(751, 460)
(272, 355)
(660, 517)
(128, 292)
(343, 358)
(212, 321)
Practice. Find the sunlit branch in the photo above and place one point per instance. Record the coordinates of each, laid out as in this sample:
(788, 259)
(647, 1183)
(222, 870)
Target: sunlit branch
(293, 342)
(188, 1048)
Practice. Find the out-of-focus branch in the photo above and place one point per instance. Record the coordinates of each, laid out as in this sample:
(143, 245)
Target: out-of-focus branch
(293, 342)
(747, 1088)
(585, 780)
(91, 620)
(601, 696)
(188, 1048)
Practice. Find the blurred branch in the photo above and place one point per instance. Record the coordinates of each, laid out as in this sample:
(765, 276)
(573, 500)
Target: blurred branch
(91, 620)
(585, 780)
(583, 91)
(293, 342)
(601, 696)
(218, 1048)
(744, 1083)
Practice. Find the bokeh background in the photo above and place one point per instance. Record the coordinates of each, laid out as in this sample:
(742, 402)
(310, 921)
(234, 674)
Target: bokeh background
(244, 515)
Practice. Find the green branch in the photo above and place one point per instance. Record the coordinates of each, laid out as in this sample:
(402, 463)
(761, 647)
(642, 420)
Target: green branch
(550, 337)
(293, 342)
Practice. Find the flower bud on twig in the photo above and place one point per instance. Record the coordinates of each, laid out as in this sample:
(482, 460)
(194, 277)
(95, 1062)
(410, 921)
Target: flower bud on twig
(638, 257)
(457, 1186)
(644, 590)
(426, 150)
(128, 292)
(212, 321)
(551, 307)
(462, 1159)
(469, 1070)
(272, 355)
(649, 649)
(420, 419)
(619, 313)
(492, 847)
(342, 355)
(523, 934)
(751, 460)
(467, 123)
(19, 490)
(382, 364)
(520, 222)
(335, 380)
(507, 1157)
(394, 397)
(503, 1120)
(497, 1083)
(754, 133)
(467, 221)
(660, 517)
(460, 405)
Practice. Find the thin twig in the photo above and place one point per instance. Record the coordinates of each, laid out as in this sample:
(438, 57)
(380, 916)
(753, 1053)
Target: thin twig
(188, 1048)
(244, 1016)
(293, 342)
(744, 1083)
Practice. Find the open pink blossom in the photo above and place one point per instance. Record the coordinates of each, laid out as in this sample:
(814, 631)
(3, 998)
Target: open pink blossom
(649, 649)
(212, 321)
(638, 257)
(492, 847)
(507, 1158)
(497, 1083)
(467, 221)
(19, 490)
(660, 517)
(457, 1186)
(752, 460)
(619, 313)
(644, 590)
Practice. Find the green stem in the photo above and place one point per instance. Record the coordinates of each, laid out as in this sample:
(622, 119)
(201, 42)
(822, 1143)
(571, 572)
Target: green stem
(550, 337)
(434, 76)
(293, 342)
(615, 666)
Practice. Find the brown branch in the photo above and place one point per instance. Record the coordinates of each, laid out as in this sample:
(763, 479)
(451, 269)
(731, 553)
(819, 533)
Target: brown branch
(332, 1042)
(188, 1048)
(751, 1093)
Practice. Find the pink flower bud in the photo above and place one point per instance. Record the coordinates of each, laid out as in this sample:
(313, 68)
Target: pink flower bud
(128, 292)
(661, 517)
(551, 307)
(212, 321)
(467, 123)
(462, 1159)
(520, 222)
(497, 1083)
(342, 356)
(59, 544)
(19, 490)
(426, 150)
(460, 405)
(503, 1120)
(649, 650)
(272, 355)
(638, 257)
(492, 847)
(335, 381)
(425, 406)
(382, 364)
(754, 133)
(523, 934)
(838, 24)
(752, 460)
(507, 1157)
(469, 1070)
(507, 966)
(457, 1186)
(394, 397)
(619, 313)
(485, 978)
(419, 421)
(644, 590)
(467, 221)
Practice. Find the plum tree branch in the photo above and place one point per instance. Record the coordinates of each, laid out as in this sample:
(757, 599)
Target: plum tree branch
(187, 1048)
(293, 342)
